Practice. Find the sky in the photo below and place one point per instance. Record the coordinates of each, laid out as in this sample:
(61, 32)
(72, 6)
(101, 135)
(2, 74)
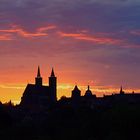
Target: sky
(95, 42)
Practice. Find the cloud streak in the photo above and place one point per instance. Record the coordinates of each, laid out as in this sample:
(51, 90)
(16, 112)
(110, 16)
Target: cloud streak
(93, 38)
(6, 37)
(40, 32)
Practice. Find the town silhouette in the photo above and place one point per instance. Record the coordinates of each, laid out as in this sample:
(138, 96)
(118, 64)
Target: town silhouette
(40, 116)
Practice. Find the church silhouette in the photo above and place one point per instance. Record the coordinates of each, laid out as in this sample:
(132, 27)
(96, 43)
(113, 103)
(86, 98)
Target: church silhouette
(37, 94)
(41, 116)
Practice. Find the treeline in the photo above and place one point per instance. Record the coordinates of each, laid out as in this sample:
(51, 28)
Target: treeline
(63, 121)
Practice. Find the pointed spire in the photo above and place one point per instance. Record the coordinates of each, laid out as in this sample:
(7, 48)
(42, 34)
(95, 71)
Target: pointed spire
(38, 72)
(121, 89)
(38, 78)
(52, 73)
(88, 87)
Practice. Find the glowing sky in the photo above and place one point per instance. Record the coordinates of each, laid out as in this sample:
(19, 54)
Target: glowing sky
(94, 42)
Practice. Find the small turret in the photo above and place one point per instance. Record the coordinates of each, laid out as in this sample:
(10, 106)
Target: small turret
(76, 93)
(88, 92)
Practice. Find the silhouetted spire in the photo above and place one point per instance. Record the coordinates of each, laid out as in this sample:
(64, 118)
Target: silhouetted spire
(53, 85)
(121, 90)
(38, 79)
(38, 72)
(88, 87)
(52, 73)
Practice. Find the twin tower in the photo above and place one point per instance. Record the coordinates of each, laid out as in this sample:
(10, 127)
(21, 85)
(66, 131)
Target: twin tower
(36, 94)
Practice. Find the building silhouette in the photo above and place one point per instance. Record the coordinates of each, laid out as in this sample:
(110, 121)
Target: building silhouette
(121, 91)
(37, 94)
(76, 93)
(88, 92)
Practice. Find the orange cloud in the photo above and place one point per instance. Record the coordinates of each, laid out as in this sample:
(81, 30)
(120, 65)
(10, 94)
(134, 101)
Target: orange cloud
(39, 32)
(98, 40)
(6, 37)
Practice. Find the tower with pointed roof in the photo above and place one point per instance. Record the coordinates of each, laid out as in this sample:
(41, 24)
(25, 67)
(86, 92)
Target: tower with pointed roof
(76, 93)
(37, 95)
(53, 85)
(38, 78)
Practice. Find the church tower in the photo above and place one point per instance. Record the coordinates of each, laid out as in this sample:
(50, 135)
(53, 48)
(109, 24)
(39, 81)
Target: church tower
(52, 86)
(38, 79)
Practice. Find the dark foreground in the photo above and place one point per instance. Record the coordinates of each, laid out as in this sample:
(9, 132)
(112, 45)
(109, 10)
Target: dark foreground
(62, 121)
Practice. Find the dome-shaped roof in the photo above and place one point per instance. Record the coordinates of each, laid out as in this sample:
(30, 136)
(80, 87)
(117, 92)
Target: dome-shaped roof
(88, 92)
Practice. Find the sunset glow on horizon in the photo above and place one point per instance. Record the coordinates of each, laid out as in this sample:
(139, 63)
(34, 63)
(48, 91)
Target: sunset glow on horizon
(14, 92)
